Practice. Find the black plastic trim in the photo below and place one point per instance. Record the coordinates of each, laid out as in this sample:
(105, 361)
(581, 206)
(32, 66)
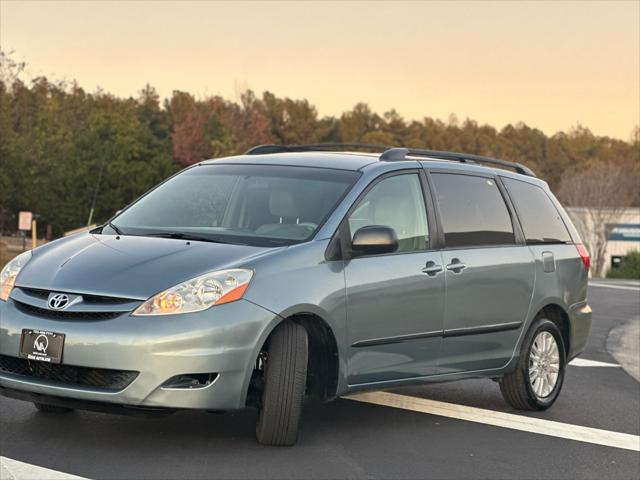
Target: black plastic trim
(399, 154)
(312, 147)
(89, 405)
(460, 332)
(396, 339)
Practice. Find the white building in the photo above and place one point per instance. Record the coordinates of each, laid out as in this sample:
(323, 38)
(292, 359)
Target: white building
(622, 231)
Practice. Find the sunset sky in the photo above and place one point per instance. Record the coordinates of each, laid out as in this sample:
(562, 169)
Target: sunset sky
(550, 64)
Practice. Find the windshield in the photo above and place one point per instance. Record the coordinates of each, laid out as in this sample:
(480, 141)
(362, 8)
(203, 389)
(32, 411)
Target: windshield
(244, 204)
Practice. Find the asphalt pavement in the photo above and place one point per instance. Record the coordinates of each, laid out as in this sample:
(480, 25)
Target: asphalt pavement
(351, 439)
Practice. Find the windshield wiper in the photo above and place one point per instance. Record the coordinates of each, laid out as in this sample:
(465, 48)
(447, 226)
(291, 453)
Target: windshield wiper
(185, 236)
(114, 228)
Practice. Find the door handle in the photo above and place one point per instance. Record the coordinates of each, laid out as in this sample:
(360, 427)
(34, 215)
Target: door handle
(456, 266)
(432, 269)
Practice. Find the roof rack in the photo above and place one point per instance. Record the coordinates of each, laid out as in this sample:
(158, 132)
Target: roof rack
(317, 147)
(399, 154)
(390, 154)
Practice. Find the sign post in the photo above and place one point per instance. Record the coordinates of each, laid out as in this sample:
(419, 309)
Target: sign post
(34, 235)
(25, 221)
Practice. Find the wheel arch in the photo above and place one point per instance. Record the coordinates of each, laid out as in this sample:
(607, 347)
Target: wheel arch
(324, 358)
(554, 310)
(559, 316)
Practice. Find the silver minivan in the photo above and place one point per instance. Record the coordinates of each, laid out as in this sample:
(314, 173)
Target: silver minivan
(289, 271)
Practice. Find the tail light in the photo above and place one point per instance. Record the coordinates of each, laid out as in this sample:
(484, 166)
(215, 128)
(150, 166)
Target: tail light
(584, 255)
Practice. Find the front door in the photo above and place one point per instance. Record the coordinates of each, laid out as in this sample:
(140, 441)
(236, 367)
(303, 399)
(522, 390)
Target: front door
(489, 274)
(395, 302)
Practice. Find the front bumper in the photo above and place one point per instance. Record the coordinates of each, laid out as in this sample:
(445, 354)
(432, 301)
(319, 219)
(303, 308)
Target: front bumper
(223, 340)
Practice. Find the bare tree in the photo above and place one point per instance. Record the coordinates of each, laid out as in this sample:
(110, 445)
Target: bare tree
(10, 70)
(600, 195)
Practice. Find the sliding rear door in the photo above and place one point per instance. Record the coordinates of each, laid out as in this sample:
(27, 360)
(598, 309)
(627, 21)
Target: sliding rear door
(489, 273)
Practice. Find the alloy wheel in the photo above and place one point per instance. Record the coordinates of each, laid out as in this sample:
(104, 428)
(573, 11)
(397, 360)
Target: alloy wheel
(544, 364)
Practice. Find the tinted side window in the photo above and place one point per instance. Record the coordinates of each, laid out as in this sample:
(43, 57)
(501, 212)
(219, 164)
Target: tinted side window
(540, 219)
(395, 202)
(473, 211)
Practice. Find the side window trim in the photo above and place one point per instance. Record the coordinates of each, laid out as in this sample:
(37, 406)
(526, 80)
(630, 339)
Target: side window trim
(518, 231)
(438, 236)
(343, 234)
(515, 222)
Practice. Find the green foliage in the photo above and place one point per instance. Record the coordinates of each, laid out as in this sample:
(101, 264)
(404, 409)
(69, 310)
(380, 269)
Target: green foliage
(56, 141)
(629, 268)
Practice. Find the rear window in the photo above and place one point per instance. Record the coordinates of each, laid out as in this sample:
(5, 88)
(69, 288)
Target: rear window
(538, 216)
(473, 211)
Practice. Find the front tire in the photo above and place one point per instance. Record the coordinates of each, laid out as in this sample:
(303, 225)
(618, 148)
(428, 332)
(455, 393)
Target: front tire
(44, 408)
(285, 378)
(537, 380)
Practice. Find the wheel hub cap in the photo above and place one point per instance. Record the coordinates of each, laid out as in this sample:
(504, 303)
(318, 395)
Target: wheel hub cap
(544, 364)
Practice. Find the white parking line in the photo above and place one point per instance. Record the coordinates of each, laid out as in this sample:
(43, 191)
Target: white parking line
(14, 470)
(619, 287)
(500, 419)
(583, 362)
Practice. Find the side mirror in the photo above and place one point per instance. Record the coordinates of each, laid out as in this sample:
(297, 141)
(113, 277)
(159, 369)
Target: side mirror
(374, 240)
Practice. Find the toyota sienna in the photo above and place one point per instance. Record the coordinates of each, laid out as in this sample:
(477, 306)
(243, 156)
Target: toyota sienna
(289, 271)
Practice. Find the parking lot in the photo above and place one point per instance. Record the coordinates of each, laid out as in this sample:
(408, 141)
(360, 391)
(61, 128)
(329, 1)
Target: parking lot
(351, 438)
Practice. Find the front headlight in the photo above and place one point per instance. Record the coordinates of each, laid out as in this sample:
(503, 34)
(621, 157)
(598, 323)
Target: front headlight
(198, 294)
(10, 273)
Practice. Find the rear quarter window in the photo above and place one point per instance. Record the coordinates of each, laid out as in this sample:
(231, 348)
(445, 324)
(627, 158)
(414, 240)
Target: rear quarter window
(538, 216)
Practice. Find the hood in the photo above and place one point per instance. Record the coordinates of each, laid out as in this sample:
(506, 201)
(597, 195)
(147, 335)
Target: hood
(127, 266)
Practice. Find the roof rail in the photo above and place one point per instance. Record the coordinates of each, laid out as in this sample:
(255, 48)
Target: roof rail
(390, 154)
(317, 147)
(399, 154)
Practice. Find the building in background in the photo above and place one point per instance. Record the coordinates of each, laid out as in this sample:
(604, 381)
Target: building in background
(608, 234)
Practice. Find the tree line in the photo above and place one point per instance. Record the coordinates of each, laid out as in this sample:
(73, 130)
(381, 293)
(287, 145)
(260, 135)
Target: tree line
(57, 140)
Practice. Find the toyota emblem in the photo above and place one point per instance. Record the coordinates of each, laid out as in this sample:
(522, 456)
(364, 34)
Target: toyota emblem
(58, 301)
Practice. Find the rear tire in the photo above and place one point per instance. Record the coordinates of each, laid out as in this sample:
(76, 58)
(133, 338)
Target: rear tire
(520, 388)
(43, 407)
(285, 378)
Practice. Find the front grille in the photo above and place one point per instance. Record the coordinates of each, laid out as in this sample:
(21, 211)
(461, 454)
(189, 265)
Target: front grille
(64, 315)
(93, 299)
(68, 375)
(35, 292)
